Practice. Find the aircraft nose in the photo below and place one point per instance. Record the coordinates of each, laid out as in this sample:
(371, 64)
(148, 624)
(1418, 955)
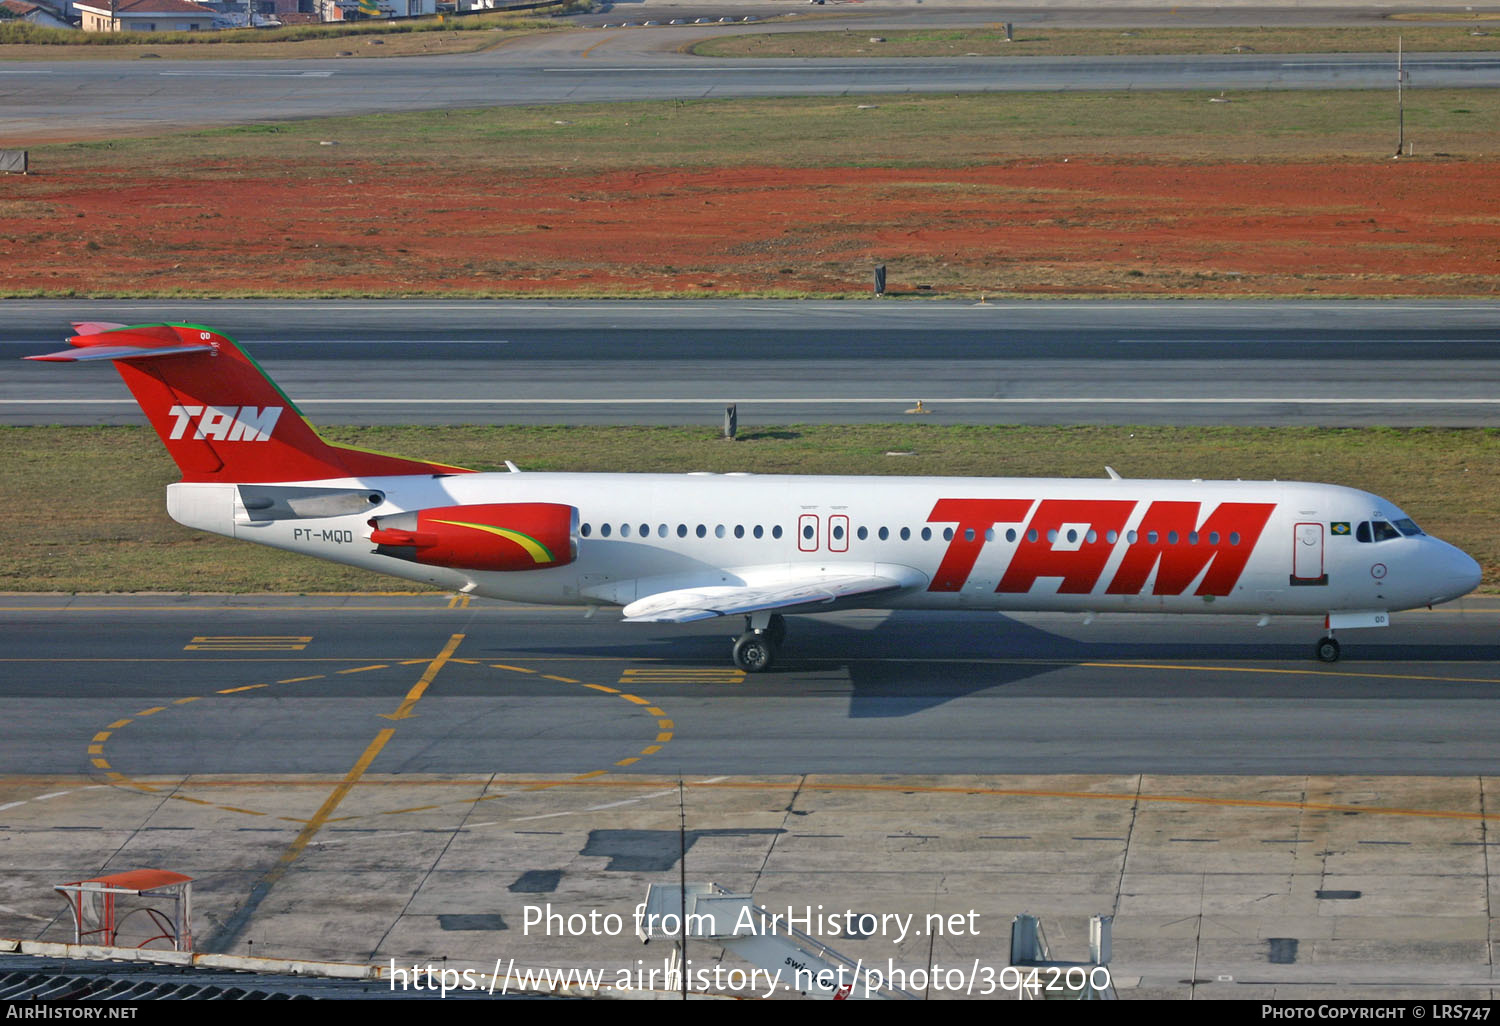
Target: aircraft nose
(1457, 573)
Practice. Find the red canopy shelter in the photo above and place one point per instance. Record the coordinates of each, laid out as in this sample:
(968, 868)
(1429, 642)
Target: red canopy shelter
(97, 921)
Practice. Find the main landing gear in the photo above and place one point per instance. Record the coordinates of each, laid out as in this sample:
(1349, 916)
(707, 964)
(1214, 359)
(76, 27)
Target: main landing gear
(755, 650)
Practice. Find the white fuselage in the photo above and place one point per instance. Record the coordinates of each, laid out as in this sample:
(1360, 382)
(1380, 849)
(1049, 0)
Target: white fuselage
(981, 543)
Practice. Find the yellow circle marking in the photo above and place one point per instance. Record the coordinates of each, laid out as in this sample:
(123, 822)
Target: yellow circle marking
(101, 763)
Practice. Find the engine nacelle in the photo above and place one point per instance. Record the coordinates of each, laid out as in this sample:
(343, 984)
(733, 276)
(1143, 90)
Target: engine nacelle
(484, 536)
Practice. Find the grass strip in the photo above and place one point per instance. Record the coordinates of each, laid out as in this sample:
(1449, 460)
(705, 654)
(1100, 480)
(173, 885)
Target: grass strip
(855, 131)
(1463, 36)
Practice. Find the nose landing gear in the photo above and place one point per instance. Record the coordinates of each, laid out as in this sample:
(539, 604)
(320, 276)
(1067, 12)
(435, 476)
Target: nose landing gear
(1327, 649)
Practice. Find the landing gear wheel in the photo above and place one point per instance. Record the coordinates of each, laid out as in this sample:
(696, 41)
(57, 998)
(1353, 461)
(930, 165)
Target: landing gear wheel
(1327, 650)
(754, 651)
(777, 629)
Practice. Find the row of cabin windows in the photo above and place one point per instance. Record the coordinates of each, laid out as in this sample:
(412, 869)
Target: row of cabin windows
(644, 531)
(809, 532)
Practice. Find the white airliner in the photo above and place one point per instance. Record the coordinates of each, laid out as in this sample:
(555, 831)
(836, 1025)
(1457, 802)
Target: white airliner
(677, 548)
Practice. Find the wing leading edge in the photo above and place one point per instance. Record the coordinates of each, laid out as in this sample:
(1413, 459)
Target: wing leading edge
(799, 594)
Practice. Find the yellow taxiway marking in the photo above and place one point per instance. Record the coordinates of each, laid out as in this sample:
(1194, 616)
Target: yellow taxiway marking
(815, 784)
(420, 688)
(1357, 674)
(682, 675)
(590, 51)
(308, 832)
(248, 643)
(404, 711)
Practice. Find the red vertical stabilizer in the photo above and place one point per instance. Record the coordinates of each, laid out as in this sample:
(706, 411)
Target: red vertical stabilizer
(219, 415)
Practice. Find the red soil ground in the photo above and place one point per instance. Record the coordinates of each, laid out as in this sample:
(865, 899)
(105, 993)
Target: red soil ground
(1087, 226)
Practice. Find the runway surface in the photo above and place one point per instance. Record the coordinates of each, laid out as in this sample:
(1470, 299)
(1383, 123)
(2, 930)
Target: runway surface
(150, 685)
(83, 98)
(679, 362)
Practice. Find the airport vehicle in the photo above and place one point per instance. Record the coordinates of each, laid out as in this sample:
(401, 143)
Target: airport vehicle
(679, 548)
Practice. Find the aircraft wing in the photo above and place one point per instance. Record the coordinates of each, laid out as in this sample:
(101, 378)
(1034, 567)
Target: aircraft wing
(795, 594)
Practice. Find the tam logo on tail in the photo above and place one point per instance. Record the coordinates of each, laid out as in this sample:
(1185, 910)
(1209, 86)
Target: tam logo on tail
(227, 424)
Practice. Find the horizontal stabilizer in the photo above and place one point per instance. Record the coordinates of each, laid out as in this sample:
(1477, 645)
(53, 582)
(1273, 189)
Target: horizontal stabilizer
(103, 341)
(117, 353)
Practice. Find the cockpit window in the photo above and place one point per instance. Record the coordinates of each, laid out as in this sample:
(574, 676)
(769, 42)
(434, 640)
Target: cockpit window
(1384, 531)
(1362, 532)
(1406, 527)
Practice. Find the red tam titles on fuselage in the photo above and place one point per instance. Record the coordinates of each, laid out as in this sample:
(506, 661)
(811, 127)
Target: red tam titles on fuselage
(1073, 540)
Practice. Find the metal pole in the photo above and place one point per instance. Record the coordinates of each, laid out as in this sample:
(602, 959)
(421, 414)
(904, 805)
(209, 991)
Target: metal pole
(1400, 99)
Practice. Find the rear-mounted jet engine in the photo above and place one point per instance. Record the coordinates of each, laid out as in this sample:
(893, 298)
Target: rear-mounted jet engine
(488, 536)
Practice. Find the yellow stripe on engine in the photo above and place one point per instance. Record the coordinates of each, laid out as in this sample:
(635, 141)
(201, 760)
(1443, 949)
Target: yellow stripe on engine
(538, 552)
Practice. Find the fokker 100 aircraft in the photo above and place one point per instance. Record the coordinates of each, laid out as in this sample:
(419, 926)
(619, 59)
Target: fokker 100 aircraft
(678, 548)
